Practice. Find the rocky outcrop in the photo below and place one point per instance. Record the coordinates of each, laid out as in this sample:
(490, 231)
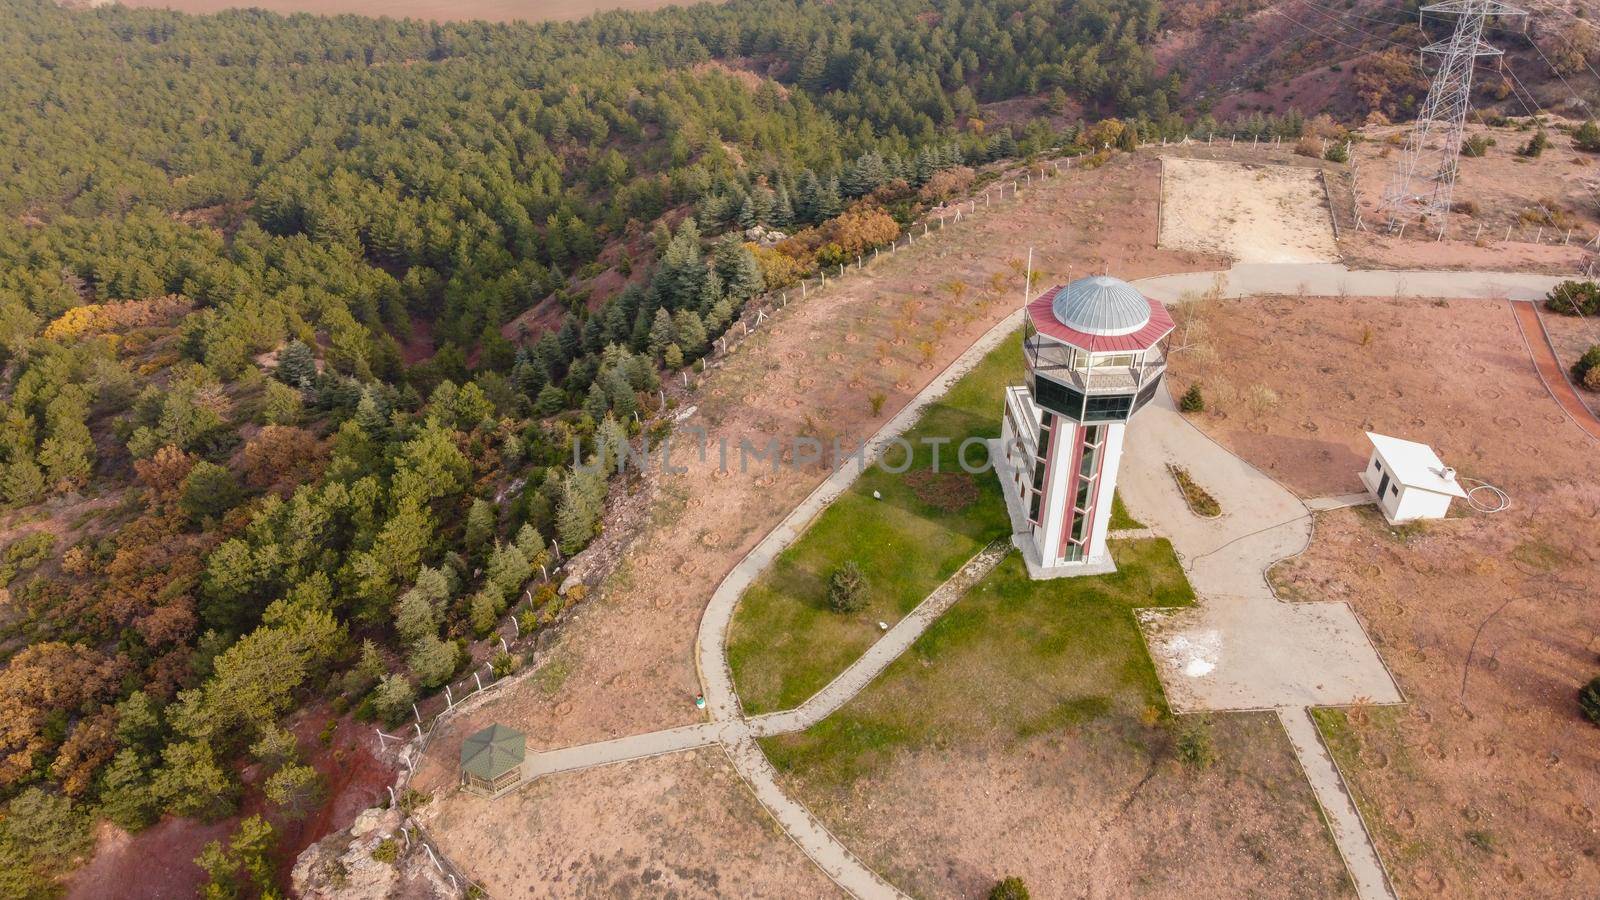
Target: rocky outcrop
(343, 865)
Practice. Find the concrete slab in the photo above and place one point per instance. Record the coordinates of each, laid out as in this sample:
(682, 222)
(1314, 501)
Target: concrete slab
(1238, 653)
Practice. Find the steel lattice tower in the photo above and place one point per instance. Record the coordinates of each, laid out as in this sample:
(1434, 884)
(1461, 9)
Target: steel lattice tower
(1426, 175)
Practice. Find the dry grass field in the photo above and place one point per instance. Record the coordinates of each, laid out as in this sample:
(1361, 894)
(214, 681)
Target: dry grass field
(436, 10)
(1487, 782)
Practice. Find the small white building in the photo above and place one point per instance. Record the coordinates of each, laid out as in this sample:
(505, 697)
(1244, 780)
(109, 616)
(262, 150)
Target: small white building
(1409, 480)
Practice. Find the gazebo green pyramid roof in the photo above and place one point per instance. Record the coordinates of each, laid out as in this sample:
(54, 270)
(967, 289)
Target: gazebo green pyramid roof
(493, 752)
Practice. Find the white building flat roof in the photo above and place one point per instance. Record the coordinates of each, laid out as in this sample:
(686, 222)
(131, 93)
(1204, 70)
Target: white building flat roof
(1414, 465)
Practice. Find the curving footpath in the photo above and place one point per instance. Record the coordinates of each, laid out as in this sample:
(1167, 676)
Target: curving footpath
(1555, 379)
(1225, 559)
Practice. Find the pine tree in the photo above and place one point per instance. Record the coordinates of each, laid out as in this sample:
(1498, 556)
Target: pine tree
(393, 697)
(596, 404)
(433, 660)
(661, 333)
(690, 331)
(782, 210)
(673, 358)
(481, 521)
(296, 365)
(828, 202)
(620, 393)
(738, 270)
(747, 213)
(581, 506)
(611, 443)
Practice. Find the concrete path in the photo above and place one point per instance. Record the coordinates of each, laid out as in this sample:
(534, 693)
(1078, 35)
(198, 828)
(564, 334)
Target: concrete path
(1343, 501)
(1335, 280)
(1550, 369)
(1344, 820)
(637, 746)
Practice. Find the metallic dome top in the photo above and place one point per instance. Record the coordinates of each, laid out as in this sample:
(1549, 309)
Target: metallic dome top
(1101, 305)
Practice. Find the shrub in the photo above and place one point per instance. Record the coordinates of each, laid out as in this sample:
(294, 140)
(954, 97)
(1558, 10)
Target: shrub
(1337, 152)
(1587, 137)
(1308, 146)
(1193, 401)
(1536, 145)
(1573, 298)
(1194, 744)
(1586, 371)
(1589, 700)
(387, 851)
(1476, 145)
(847, 588)
(1009, 888)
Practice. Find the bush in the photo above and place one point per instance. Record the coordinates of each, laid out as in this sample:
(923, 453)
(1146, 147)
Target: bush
(1193, 401)
(1477, 145)
(1337, 152)
(1589, 700)
(1009, 888)
(1194, 745)
(1573, 298)
(1536, 145)
(1587, 137)
(1586, 371)
(387, 851)
(847, 589)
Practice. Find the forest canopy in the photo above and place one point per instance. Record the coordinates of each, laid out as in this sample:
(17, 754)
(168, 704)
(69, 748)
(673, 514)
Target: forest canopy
(288, 304)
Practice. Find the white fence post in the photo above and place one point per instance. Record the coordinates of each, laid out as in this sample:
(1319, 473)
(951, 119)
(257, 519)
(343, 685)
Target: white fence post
(449, 699)
(478, 680)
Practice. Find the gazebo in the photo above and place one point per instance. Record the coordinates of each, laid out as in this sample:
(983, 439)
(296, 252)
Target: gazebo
(491, 761)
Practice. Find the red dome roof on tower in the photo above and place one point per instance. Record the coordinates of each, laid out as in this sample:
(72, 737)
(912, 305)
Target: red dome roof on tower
(1077, 303)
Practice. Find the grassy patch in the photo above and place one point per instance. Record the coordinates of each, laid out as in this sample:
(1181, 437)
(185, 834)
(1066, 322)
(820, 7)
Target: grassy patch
(1201, 503)
(1120, 520)
(1013, 659)
(785, 643)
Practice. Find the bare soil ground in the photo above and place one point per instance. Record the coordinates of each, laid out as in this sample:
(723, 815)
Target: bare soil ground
(1499, 190)
(1253, 213)
(1081, 813)
(624, 662)
(1572, 337)
(1487, 783)
(488, 10)
(682, 825)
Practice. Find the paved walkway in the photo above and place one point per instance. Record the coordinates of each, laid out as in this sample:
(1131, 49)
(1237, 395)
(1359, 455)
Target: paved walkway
(1335, 280)
(1549, 367)
(1343, 501)
(1344, 820)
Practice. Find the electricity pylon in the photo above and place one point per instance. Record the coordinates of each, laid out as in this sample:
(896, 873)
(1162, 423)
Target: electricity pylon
(1426, 175)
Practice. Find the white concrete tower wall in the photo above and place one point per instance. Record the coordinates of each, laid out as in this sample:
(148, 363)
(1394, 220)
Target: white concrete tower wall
(1053, 512)
(1100, 524)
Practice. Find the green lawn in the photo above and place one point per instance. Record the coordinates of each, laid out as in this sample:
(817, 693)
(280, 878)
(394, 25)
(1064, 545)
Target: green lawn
(785, 643)
(1012, 659)
(1120, 520)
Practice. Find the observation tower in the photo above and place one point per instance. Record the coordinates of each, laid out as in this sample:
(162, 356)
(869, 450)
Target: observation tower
(1095, 351)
